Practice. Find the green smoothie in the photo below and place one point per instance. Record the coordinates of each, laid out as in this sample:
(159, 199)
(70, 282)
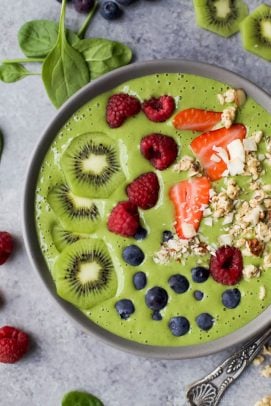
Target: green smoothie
(188, 91)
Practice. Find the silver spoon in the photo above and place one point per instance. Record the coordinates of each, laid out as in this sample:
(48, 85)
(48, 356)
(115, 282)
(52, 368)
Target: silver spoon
(209, 390)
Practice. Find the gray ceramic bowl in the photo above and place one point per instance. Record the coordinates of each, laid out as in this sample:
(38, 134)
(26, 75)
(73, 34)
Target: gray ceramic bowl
(99, 86)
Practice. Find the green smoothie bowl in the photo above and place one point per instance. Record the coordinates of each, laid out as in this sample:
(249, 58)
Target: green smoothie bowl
(147, 209)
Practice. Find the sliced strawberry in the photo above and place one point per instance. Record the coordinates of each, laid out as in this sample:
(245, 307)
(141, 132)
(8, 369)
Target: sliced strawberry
(196, 119)
(202, 146)
(189, 198)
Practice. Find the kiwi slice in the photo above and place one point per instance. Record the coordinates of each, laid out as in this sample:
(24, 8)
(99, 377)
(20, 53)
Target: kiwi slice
(91, 165)
(84, 273)
(256, 32)
(74, 213)
(62, 237)
(220, 16)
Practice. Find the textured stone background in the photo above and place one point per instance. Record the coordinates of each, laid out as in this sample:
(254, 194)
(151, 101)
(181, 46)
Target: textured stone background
(63, 358)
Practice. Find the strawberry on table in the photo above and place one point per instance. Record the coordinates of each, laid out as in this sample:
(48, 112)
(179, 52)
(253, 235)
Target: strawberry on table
(119, 107)
(189, 198)
(196, 119)
(144, 190)
(205, 144)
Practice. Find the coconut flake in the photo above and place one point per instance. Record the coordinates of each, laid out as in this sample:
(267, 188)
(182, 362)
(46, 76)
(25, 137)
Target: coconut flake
(215, 158)
(208, 221)
(225, 239)
(236, 150)
(228, 218)
(188, 230)
(222, 153)
(250, 144)
(236, 167)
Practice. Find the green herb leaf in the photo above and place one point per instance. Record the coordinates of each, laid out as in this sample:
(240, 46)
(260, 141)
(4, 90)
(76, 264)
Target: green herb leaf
(64, 70)
(12, 72)
(80, 399)
(1, 143)
(103, 55)
(38, 37)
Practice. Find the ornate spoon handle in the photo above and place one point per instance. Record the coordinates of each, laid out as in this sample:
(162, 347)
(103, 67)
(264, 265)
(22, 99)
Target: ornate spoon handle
(209, 390)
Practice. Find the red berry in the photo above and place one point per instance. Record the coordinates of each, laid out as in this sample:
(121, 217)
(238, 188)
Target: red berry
(226, 265)
(6, 246)
(119, 107)
(13, 344)
(124, 219)
(160, 150)
(159, 109)
(144, 190)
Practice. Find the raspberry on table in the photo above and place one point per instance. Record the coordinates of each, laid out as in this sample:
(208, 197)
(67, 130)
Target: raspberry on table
(161, 150)
(124, 219)
(119, 107)
(144, 190)
(159, 109)
(226, 265)
(13, 344)
(6, 246)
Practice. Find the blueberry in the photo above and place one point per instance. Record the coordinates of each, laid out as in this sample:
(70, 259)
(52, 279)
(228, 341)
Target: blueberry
(156, 315)
(178, 283)
(83, 6)
(198, 295)
(141, 234)
(125, 308)
(110, 10)
(179, 326)
(133, 255)
(200, 274)
(140, 280)
(167, 235)
(205, 321)
(156, 298)
(231, 298)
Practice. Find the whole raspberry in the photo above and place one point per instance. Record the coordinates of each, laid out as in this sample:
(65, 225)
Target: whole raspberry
(124, 219)
(159, 109)
(226, 265)
(144, 190)
(13, 344)
(160, 150)
(6, 246)
(119, 107)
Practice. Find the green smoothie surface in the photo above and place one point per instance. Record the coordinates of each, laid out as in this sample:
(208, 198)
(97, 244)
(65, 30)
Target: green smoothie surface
(188, 91)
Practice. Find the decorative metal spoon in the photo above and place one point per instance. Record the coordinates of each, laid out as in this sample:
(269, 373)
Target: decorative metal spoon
(209, 390)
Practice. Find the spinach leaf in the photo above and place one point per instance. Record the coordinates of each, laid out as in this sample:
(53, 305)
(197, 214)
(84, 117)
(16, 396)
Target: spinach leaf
(38, 37)
(64, 70)
(77, 398)
(12, 72)
(103, 55)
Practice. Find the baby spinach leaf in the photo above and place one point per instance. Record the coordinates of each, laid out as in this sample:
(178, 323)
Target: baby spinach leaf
(77, 398)
(12, 72)
(64, 70)
(38, 37)
(103, 55)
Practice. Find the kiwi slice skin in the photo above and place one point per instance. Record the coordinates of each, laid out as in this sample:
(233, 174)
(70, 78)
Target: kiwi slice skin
(91, 165)
(222, 17)
(74, 213)
(84, 273)
(256, 32)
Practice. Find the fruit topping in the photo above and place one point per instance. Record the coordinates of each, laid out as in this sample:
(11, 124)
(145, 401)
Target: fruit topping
(179, 326)
(198, 294)
(144, 190)
(196, 119)
(120, 106)
(226, 265)
(76, 398)
(210, 149)
(125, 308)
(221, 16)
(6, 246)
(124, 219)
(160, 150)
(159, 109)
(156, 315)
(110, 10)
(200, 274)
(156, 298)
(83, 6)
(205, 321)
(141, 234)
(133, 255)
(139, 280)
(231, 298)
(178, 283)
(167, 235)
(189, 198)
(13, 344)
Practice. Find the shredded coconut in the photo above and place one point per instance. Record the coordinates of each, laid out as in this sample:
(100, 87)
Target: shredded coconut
(251, 271)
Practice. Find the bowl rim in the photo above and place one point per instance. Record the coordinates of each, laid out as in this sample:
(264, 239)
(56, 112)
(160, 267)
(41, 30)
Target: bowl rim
(98, 86)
